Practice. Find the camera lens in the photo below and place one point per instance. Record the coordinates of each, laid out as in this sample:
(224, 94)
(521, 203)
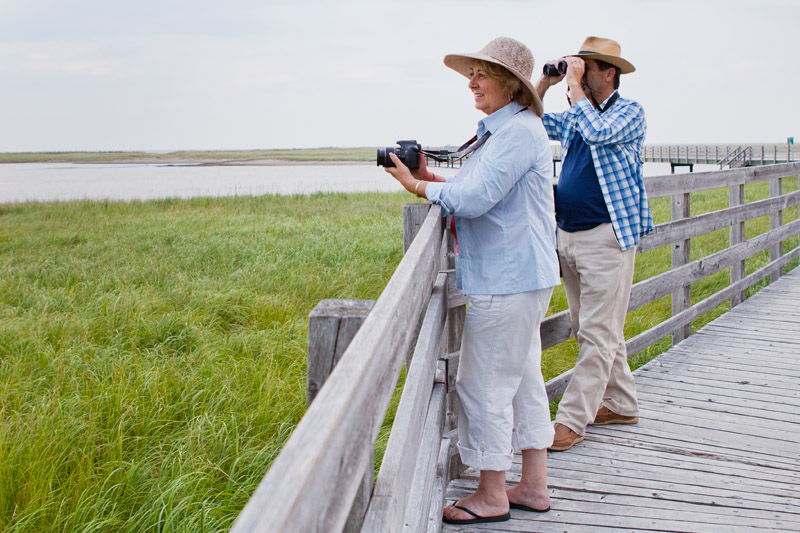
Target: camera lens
(383, 157)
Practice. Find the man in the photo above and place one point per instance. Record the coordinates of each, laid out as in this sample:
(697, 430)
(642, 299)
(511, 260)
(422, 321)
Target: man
(602, 210)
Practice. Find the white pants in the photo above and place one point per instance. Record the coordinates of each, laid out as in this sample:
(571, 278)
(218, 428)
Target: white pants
(504, 405)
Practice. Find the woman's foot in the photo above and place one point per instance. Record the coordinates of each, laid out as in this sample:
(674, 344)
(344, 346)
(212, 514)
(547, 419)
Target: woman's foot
(528, 500)
(478, 504)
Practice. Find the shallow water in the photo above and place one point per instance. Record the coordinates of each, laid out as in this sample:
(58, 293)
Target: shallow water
(21, 182)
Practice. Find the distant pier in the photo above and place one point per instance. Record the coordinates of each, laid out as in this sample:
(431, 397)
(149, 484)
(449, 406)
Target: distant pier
(688, 155)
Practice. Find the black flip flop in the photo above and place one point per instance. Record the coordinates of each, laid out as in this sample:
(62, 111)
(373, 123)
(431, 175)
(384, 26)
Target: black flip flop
(478, 518)
(526, 508)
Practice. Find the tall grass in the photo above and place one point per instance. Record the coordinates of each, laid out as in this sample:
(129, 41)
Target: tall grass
(152, 354)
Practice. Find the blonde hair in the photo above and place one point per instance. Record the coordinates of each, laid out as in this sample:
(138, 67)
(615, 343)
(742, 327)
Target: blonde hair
(512, 85)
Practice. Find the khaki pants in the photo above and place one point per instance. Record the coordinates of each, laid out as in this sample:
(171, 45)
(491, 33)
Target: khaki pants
(597, 278)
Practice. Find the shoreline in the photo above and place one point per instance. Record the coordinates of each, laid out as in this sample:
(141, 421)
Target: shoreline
(200, 162)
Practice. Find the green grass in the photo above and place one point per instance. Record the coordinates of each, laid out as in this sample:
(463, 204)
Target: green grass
(304, 154)
(152, 354)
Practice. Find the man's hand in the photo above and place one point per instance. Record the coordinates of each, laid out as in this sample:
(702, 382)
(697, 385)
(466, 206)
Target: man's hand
(545, 82)
(576, 68)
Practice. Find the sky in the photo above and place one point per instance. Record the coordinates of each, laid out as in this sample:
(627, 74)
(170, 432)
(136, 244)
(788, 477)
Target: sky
(164, 75)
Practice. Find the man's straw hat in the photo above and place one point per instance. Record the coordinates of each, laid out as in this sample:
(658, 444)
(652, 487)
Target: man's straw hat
(605, 50)
(508, 53)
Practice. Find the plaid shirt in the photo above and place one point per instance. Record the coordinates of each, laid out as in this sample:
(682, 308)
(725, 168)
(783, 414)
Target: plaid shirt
(616, 138)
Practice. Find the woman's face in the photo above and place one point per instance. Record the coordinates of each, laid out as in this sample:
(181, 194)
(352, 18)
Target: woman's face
(488, 92)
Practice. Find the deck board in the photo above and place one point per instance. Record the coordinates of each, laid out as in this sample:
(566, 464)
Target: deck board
(717, 447)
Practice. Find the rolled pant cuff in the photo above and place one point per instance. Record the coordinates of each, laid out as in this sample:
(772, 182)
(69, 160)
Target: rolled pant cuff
(533, 440)
(484, 460)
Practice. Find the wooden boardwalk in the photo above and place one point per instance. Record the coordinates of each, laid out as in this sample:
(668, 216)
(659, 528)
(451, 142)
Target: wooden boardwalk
(717, 447)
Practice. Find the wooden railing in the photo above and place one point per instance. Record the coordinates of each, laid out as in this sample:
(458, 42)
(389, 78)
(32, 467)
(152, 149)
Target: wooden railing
(322, 480)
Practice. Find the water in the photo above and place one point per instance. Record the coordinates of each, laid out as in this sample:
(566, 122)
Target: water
(66, 181)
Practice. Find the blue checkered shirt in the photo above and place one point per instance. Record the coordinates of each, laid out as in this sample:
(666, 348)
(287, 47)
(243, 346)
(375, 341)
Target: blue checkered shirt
(616, 138)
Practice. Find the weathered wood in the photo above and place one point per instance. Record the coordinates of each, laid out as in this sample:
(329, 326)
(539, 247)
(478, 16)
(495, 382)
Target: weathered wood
(414, 216)
(322, 463)
(669, 185)
(737, 270)
(439, 487)
(645, 339)
(671, 232)
(681, 297)
(387, 507)
(332, 324)
(775, 221)
(717, 446)
(422, 491)
(663, 284)
(556, 329)
(556, 386)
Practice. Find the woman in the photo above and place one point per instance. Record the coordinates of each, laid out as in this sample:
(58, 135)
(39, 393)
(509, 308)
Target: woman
(502, 203)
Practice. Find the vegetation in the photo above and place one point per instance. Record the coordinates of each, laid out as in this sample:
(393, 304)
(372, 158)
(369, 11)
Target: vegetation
(152, 354)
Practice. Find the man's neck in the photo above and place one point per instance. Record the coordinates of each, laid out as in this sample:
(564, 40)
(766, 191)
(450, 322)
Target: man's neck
(602, 97)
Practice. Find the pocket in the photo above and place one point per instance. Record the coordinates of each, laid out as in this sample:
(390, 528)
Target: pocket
(480, 301)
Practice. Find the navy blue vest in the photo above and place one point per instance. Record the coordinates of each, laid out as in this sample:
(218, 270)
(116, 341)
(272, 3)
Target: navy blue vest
(580, 204)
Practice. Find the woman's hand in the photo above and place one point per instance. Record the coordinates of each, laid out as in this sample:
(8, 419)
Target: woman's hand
(401, 173)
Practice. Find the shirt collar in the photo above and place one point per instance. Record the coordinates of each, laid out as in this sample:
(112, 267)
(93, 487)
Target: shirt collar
(498, 118)
(604, 103)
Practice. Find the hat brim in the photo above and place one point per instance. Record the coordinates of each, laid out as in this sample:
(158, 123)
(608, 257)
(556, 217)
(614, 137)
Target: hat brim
(624, 66)
(461, 63)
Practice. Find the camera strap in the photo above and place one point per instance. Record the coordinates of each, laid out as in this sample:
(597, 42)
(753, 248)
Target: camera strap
(443, 156)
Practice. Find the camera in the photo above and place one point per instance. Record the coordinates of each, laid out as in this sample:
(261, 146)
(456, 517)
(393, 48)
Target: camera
(558, 69)
(408, 152)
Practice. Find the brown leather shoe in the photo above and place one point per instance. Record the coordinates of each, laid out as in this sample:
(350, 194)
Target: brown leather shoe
(564, 438)
(607, 416)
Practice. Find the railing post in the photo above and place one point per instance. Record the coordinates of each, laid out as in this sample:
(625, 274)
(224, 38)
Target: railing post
(736, 198)
(681, 298)
(775, 222)
(332, 324)
(413, 217)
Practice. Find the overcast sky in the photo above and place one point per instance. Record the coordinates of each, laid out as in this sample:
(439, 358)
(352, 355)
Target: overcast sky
(246, 74)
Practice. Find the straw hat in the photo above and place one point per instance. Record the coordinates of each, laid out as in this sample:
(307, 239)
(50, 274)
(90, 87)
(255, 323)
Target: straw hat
(605, 50)
(506, 52)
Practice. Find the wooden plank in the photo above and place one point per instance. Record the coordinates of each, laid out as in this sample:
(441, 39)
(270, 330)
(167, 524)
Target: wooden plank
(643, 458)
(440, 487)
(321, 464)
(650, 399)
(387, 508)
(665, 283)
(414, 216)
(735, 216)
(421, 497)
(736, 236)
(682, 295)
(657, 333)
(668, 185)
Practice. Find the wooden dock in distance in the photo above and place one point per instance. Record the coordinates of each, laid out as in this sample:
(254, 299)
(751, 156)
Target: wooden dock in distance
(717, 447)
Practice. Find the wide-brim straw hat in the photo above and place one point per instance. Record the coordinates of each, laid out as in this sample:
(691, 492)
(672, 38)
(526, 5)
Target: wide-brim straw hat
(508, 53)
(605, 50)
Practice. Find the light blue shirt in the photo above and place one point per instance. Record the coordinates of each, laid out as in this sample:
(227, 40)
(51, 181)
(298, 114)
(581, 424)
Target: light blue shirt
(502, 200)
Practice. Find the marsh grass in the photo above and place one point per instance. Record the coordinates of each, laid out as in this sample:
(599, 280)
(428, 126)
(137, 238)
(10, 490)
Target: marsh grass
(152, 354)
